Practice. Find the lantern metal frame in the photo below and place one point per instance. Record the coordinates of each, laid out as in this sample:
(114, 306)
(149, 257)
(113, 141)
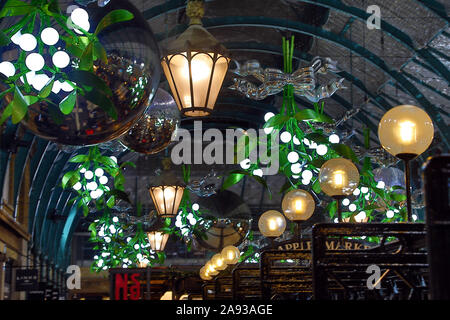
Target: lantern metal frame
(176, 198)
(194, 41)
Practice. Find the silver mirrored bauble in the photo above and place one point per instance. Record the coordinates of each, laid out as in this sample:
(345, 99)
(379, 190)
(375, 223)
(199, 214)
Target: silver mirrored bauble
(229, 220)
(154, 131)
(130, 69)
(390, 176)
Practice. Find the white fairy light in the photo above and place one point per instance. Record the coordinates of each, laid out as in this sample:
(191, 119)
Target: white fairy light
(27, 42)
(136, 246)
(294, 176)
(364, 189)
(7, 68)
(67, 87)
(56, 87)
(268, 130)
(334, 138)
(61, 59)
(322, 149)
(356, 192)
(258, 172)
(99, 172)
(99, 192)
(113, 159)
(381, 185)
(34, 61)
(195, 207)
(305, 182)
(336, 220)
(268, 115)
(245, 164)
(360, 216)
(352, 207)
(103, 180)
(296, 168)
(49, 36)
(77, 186)
(296, 141)
(115, 219)
(85, 26)
(306, 141)
(307, 175)
(285, 137)
(39, 81)
(107, 239)
(390, 214)
(16, 37)
(93, 194)
(414, 217)
(312, 145)
(112, 229)
(293, 157)
(83, 170)
(346, 202)
(128, 240)
(88, 174)
(367, 197)
(79, 16)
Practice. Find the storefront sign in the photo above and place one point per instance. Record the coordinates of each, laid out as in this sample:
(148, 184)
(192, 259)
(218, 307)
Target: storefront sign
(127, 286)
(330, 244)
(26, 279)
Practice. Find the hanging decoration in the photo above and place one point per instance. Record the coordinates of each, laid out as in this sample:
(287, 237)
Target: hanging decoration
(308, 138)
(303, 81)
(157, 127)
(53, 55)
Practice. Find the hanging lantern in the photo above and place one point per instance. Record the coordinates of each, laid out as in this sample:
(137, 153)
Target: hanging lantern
(338, 177)
(156, 237)
(195, 66)
(167, 192)
(230, 254)
(298, 205)
(272, 224)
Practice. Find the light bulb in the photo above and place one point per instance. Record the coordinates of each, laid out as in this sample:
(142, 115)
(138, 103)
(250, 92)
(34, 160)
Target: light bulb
(305, 182)
(88, 174)
(85, 26)
(390, 214)
(7, 68)
(258, 172)
(307, 175)
(364, 189)
(77, 186)
(334, 138)
(293, 157)
(306, 141)
(67, 87)
(195, 207)
(407, 131)
(92, 185)
(296, 141)
(268, 115)
(61, 59)
(99, 172)
(27, 42)
(56, 87)
(16, 37)
(352, 207)
(322, 149)
(115, 219)
(296, 168)
(339, 178)
(245, 164)
(93, 194)
(285, 137)
(268, 130)
(103, 180)
(79, 16)
(113, 159)
(34, 61)
(39, 81)
(360, 217)
(49, 36)
(346, 202)
(356, 192)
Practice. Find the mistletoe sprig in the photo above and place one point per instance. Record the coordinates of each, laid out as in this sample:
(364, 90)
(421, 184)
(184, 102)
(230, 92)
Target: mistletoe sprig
(91, 183)
(304, 147)
(26, 79)
(116, 248)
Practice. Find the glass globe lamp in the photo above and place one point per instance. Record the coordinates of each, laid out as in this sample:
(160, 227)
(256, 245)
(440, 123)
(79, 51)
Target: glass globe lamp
(210, 269)
(272, 224)
(298, 205)
(203, 274)
(218, 262)
(338, 178)
(230, 254)
(406, 132)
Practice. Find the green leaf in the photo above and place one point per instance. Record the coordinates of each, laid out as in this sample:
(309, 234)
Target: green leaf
(345, 151)
(119, 194)
(111, 201)
(317, 138)
(103, 102)
(107, 161)
(87, 58)
(309, 114)
(20, 106)
(79, 158)
(45, 92)
(16, 8)
(277, 121)
(112, 17)
(6, 113)
(316, 186)
(397, 197)
(70, 178)
(4, 39)
(232, 179)
(86, 78)
(100, 53)
(127, 163)
(68, 103)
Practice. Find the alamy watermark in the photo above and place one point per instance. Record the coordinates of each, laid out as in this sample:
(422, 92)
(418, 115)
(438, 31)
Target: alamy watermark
(232, 148)
(374, 280)
(374, 21)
